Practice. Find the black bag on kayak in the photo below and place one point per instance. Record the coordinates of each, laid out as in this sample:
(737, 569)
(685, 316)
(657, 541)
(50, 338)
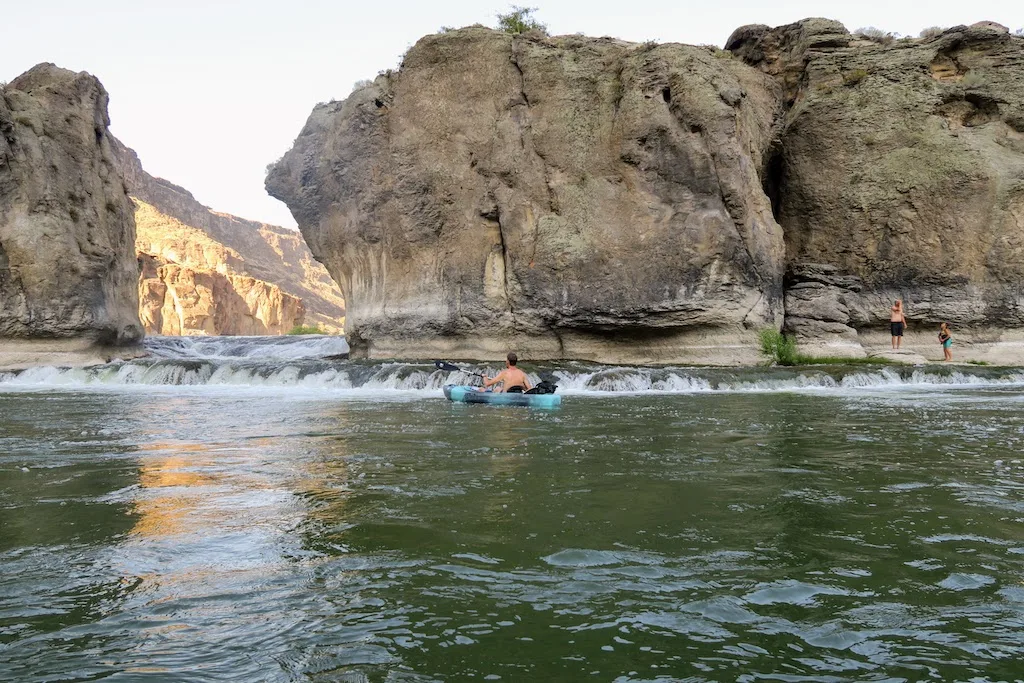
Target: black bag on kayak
(543, 387)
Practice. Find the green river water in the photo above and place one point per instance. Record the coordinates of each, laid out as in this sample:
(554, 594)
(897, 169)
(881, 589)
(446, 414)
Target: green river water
(791, 530)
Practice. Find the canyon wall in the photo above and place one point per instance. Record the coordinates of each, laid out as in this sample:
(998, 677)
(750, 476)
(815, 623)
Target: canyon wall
(573, 197)
(68, 279)
(176, 229)
(190, 284)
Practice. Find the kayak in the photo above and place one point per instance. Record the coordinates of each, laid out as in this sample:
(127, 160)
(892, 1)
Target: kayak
(463, 394)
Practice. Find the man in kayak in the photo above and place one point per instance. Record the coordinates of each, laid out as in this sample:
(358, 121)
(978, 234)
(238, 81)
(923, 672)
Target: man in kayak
(512, 378)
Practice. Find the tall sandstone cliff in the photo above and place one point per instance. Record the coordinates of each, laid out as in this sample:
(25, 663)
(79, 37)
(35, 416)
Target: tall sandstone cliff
(67, 259)
(190, 284)
(589, 198)
(206, 272)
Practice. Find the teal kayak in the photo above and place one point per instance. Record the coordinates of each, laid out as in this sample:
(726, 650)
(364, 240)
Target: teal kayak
(463, 394)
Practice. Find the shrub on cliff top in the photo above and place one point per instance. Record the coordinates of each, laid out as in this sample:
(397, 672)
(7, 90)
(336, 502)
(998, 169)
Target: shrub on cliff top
(520, 20)
(931, 32)
(875, 34)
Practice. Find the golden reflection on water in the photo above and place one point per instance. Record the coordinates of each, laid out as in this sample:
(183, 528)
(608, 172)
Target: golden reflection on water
(326, 475)
(507, 439)
(185, 468)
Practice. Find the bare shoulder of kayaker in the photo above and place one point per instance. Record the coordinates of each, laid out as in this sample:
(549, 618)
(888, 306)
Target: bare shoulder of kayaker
(500, 377)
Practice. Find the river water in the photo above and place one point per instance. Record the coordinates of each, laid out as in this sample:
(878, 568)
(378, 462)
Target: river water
(261, 510)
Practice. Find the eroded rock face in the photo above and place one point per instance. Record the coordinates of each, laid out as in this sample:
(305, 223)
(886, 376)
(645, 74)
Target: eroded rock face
(179, 300)
(190, 284)
(570, 197)
(67, 234)
(588, 198)
(900, 168)
(178, 229)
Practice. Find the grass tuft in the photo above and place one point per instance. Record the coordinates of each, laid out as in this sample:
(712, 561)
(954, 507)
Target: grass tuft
(781, 349)
(852, 78)
(876, 35)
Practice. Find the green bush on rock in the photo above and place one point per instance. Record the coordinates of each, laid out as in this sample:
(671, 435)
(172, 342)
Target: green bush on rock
(852, 78)
(779, 347)
(520, 20)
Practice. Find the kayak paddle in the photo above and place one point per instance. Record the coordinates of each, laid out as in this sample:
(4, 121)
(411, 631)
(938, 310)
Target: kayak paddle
(448, 367)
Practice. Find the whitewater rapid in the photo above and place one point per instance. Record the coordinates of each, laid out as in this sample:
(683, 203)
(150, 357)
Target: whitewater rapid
(318, 365)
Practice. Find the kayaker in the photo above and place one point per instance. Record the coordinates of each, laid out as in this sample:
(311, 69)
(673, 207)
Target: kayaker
(511, 378)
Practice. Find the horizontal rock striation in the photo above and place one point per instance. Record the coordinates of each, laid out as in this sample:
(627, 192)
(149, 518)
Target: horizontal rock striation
(67, 234)
(570, 197)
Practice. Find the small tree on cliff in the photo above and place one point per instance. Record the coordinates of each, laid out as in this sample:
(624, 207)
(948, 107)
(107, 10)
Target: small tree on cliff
(520, 20)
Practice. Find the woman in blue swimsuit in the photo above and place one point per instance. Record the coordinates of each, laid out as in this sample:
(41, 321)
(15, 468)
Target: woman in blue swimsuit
(946, 339)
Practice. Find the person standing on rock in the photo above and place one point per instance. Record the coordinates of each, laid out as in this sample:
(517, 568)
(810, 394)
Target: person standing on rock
(512, 378)
(897, 323)
(946, 339)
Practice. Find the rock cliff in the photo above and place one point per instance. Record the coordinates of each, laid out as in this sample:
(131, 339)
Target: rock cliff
(191, 285)
(177, 229)
(67, 260)
(899, 173)
(178, 300)
(589, 198)
(568, 197)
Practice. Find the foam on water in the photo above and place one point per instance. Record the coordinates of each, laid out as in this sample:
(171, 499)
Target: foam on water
(317, 364)
(259, 348)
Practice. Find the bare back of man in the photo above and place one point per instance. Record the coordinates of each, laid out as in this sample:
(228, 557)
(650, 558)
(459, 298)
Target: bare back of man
(897, 323)
(510, 377)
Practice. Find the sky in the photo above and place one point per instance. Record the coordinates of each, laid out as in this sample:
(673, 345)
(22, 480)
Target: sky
(210, 92)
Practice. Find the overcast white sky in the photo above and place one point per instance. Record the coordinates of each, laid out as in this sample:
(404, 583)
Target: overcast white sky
(208, 92)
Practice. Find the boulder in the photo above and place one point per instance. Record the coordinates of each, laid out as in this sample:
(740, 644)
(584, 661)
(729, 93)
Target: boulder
(567, 197)
(67, 233)
(573, 197)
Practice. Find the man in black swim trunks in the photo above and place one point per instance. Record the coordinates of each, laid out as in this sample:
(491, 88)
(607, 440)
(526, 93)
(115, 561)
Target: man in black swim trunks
(897, 323)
